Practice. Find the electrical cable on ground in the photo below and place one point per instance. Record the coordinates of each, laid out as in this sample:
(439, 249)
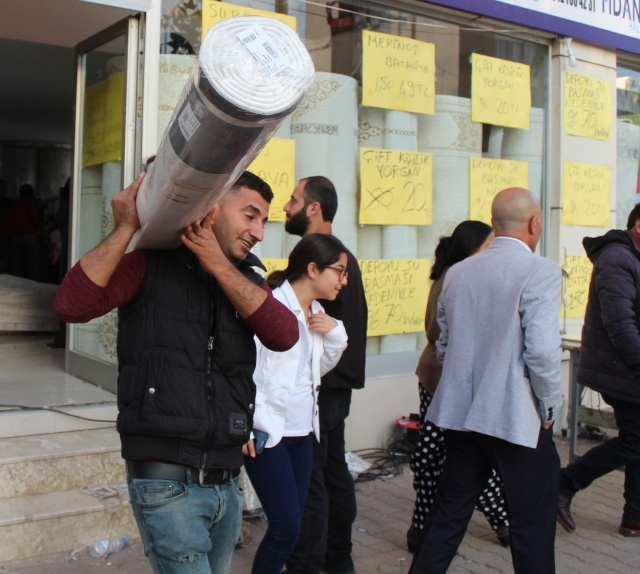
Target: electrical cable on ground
(54, 410)
(384, 464)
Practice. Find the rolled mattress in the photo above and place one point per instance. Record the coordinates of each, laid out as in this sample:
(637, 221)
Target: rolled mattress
(252, 73)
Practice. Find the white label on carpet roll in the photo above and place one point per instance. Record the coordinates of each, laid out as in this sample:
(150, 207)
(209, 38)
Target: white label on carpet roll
(188, 122)
(263, 50)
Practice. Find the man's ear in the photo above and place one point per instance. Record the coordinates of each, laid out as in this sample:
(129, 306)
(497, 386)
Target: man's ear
(534, 224)
(637, 226)
(313, 209)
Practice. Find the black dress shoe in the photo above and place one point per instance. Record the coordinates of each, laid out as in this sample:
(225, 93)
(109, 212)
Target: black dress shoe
(502, 532)
(564, 513)
(629, 529)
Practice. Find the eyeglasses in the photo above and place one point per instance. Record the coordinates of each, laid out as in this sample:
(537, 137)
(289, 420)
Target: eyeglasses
(342, 272)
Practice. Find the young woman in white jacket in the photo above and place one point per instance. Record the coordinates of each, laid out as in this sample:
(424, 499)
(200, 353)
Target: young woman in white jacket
(287, 394)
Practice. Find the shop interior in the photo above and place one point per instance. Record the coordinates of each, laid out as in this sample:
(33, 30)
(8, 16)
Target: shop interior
(37, 68)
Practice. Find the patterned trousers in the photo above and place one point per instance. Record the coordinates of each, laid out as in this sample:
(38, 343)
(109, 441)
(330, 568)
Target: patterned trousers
(426, 464)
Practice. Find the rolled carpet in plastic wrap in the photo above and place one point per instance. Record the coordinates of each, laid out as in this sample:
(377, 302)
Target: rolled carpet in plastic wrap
(252, 72)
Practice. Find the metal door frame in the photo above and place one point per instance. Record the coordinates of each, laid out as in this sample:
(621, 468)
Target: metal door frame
(78, 364)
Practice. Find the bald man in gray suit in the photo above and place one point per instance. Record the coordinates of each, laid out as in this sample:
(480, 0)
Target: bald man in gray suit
(500, 390)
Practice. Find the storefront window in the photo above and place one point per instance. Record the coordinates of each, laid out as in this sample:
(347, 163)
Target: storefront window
(627, 151)
(332, 125)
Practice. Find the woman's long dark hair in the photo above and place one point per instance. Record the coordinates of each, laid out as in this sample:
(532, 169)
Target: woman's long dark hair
(466, 238)
(318, 248)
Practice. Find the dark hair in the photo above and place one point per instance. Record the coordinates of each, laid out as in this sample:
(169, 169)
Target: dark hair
(27, 191)
(633, 216)
(319, 248)
(252, 181)
(466, 238)
(65, 190)
(319, 188)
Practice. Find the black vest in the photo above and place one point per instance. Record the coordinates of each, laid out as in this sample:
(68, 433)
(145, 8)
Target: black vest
(185, 366)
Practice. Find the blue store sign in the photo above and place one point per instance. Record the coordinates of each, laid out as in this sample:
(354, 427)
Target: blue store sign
(612, 23)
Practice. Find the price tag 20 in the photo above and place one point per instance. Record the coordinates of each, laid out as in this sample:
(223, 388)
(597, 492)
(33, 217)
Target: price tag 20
(264, 51)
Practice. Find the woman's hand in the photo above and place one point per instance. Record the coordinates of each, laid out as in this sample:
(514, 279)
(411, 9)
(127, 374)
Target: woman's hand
(321, 323)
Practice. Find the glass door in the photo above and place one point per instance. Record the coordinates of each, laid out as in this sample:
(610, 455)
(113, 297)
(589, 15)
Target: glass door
(106, 153)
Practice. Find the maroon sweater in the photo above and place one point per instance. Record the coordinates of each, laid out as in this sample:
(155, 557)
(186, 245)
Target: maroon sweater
(79, 300)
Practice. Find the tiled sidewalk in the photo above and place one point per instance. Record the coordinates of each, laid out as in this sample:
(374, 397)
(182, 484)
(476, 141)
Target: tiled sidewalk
(384, 513)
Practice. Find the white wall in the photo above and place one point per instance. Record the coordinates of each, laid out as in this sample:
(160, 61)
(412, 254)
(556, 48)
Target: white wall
(375, 409)
(601, 64)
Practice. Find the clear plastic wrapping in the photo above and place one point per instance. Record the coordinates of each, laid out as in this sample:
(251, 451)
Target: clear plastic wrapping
(252, 73)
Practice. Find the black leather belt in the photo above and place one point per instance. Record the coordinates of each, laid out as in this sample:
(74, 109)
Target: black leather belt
(169, 471)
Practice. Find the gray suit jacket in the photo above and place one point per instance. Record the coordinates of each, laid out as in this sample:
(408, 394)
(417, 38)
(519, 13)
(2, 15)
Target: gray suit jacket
(499, 312)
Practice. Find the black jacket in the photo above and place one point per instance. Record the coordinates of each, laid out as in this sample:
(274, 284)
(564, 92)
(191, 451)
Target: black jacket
(185, 367)
(610, 351)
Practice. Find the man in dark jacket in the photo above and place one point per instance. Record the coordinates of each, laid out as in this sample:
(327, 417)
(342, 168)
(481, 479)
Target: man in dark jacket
(324, 542)
(186, 356)
(610, 364)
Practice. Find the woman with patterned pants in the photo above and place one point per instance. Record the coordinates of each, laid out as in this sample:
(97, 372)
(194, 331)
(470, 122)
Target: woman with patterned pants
(468, 238)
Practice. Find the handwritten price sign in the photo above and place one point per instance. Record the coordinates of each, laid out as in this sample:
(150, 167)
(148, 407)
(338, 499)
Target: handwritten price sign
(586, 193)
(213, 12)
(588, 111)
(396, 187)
(579, 269)
(396, 291)
(276, 164)
(275, 264)
(500, 92)
(398, 73)
(487, 177)
(102, 138)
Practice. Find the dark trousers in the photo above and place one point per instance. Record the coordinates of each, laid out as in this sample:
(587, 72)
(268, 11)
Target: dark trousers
(280, 477)
(530, 482)
(23, 256)
(623, 450)
(325, 537)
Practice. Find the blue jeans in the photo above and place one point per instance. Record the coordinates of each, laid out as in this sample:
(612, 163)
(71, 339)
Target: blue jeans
(187, 528)
(325, 535)
(280, 477)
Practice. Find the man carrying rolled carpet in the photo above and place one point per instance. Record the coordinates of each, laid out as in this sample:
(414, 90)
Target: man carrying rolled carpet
(186, 356)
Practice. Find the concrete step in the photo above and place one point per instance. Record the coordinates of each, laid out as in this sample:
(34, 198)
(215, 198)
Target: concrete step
(61, 521)
(12, 344)
(60, 492)
(16, 422)
(63, 461)
(35, 385)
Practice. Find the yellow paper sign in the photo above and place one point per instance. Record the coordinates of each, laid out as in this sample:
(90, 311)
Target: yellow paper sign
(500, 92)
(398, 73)
(586, 192)
(396, 292)
(587, 110)
(276, 164)
(487, 177)
(275, 263)
(102, 126)
(576, 285)
(213, 12)
(396, 187)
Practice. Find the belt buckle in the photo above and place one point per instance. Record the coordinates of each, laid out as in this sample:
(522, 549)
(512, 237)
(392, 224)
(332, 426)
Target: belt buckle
(211, 477)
